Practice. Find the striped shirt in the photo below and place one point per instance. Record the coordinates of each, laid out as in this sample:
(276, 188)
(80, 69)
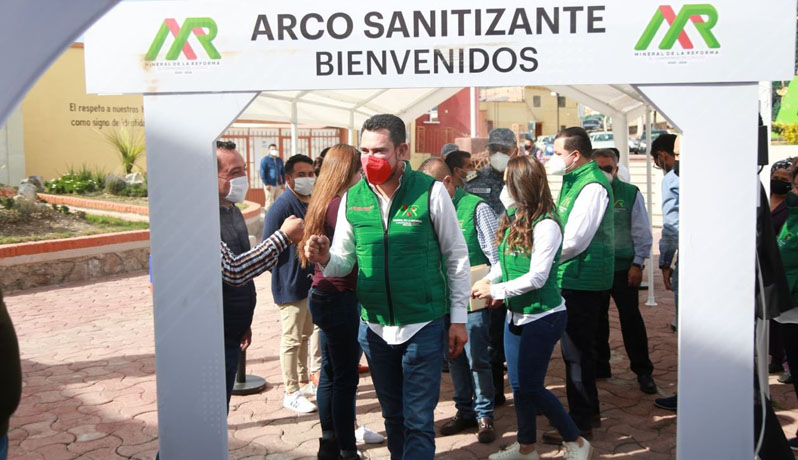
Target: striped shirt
(239, 269)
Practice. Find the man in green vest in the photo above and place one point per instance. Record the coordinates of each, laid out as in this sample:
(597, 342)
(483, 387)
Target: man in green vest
(401, 229)
(632, 248)
(586, 268)
(471, 371)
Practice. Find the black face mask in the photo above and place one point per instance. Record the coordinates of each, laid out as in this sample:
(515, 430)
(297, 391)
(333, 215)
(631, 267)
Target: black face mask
(779, 187)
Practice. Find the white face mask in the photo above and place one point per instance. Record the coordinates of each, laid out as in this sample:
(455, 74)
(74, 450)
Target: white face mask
(499, 161)
(506, 199)
(238, 189)
(273, 152)
(556, 165)
(609, 176)
(304, 185)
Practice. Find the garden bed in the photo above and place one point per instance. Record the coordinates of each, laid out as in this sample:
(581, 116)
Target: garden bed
(49, 224)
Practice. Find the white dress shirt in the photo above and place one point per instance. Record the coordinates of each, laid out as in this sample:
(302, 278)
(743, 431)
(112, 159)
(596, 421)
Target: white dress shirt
(641, 231)
(547, 238)
(584, 220)
(454, 255)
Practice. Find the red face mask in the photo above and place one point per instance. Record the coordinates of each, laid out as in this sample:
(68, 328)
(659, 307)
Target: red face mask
(378, 170)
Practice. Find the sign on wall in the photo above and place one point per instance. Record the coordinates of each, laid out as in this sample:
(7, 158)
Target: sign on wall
(149, 47)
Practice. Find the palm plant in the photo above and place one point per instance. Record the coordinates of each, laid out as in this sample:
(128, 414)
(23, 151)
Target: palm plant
(128, 143)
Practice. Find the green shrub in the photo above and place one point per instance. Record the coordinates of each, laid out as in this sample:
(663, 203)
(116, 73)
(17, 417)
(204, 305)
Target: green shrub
(77, 182)
(135, 190)
(7, 203)
(790, 133)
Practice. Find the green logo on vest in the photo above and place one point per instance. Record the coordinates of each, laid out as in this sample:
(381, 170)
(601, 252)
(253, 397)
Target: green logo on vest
(619, 203)
(407, 211)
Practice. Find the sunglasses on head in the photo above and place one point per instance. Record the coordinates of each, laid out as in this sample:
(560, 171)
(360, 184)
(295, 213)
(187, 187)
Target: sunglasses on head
(226, 145)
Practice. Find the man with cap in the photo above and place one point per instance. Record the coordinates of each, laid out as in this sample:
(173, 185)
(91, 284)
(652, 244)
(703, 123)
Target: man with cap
(448, 148)
(502, 144)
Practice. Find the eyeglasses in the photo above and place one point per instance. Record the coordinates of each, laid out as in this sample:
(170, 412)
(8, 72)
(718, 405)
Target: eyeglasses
(225, 145)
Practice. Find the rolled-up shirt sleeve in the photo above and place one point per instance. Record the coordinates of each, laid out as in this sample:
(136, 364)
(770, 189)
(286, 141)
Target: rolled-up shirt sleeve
(454, 252)
(342, 248)
(547, 238)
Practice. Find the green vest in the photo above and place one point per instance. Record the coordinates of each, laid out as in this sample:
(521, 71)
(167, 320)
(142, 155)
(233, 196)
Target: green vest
(515, 264)
(788, 247)
(593, 269)
(400, 276)
(625, 195)
(466, 206)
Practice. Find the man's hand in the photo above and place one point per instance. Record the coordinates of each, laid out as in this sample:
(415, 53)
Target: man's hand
(667, 272)
(317, 249)
(635, 276)
(246, 341)
(481, 289)
(294, 228)
(493, 303)
(457, 339)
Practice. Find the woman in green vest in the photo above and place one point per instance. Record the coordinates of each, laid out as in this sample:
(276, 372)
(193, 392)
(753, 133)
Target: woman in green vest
(526, 279)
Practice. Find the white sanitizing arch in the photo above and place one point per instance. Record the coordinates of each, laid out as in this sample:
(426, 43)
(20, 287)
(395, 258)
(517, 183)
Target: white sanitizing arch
(199, 64)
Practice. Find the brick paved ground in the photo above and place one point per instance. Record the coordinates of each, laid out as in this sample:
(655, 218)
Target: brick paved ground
(87, 358)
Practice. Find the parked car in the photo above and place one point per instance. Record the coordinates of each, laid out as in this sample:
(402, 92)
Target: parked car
(545, 144)
(641, 146)
(591, 124)
(602, 140)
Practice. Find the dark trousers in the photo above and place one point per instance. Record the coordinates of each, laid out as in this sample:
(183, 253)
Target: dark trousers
(776, 343)
(578, 350)
(232, 354)
(633, 329)
(497, 318)
(338, 318)
(789, 336)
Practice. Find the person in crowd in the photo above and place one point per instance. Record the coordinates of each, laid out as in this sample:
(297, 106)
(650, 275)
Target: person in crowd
(586, 268)
(662, 151)
(272, 174)
(401, 229)
(502, 145)
(448, 148)
(462, 168)
(526, 279)
(238, 302)
(780, 185)
(290, 285)
(471, 372)
(335, 309)
(11, 370)
(632, 248)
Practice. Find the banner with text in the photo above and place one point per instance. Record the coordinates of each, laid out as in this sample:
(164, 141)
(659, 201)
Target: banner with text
(169, 47)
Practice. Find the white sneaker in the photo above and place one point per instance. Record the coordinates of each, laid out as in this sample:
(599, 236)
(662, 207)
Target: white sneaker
(574, 452)
(365, 435)
(298, 403)
(513, 452)
(309, 390)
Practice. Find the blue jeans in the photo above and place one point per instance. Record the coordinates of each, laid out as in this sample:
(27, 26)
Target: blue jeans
(471, 371)
(527, 372)
(407, 379)
(232, 354)
(4, 447)
(337, 315)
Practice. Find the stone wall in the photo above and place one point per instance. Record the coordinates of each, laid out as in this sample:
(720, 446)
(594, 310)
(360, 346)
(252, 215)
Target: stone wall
(82, 268)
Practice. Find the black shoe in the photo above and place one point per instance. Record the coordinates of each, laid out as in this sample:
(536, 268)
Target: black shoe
(499, 399)
(666, 403)
(647, 384)
(457, 424)
(486, 433)
(328, 449)
(446, 365)
(595, 421)
(554, 437)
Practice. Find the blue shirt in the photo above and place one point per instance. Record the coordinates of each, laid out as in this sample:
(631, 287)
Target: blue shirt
(669, 243)
(272, 171)
(290, 282)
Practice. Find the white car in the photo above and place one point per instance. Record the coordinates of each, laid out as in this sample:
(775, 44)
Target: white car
(602, 140)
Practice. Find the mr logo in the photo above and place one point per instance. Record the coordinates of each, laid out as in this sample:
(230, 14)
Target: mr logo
(203, 28)
(703, 16)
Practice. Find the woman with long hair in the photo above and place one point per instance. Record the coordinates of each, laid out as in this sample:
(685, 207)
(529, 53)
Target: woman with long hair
(530, 239)
(335, 309)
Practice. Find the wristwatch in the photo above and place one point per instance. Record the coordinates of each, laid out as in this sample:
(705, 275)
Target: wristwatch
(638, 265)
